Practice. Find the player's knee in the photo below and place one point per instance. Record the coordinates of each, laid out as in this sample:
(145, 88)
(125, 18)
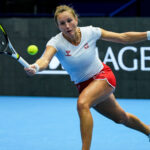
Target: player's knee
(82, 105)
(123, 119)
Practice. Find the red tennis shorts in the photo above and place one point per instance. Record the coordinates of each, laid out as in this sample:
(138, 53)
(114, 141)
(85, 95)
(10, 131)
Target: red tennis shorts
(105, 74)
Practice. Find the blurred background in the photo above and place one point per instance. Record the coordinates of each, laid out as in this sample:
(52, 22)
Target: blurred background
(100, 8)
(31, 22)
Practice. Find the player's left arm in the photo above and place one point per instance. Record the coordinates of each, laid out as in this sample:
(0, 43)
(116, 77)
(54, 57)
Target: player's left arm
(124, 38)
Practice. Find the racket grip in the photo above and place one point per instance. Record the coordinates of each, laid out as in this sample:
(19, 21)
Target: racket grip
(23, 62)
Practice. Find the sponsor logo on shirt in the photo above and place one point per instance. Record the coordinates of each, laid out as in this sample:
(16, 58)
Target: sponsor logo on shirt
(86, 46)
(68, 53)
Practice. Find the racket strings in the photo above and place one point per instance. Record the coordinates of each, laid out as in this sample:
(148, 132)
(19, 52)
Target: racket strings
(3, 42)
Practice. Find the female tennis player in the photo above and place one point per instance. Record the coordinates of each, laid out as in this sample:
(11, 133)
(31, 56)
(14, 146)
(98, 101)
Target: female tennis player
(75, 47)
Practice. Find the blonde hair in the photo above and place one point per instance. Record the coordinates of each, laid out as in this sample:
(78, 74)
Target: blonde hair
(62, 8)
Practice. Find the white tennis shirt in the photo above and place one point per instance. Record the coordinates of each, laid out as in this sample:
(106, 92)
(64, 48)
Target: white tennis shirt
(82, 61)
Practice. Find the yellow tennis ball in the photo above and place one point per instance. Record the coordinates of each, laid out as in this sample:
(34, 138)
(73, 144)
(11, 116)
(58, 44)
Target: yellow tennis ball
(32, 49)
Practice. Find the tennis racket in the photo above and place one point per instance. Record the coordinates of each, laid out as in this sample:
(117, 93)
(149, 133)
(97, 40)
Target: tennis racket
(6, 48)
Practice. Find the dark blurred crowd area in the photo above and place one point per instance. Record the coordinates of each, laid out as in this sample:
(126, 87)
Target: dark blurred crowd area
(100, 8)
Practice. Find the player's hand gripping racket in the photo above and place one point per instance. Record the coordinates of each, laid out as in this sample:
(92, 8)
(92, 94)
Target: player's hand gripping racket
(5, 44)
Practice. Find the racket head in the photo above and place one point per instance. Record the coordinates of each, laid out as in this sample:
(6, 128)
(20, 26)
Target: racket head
(4, 43)
(3, 40)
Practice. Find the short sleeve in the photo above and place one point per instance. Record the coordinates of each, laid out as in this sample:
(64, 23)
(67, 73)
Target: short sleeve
(96, 32)
(53, 42)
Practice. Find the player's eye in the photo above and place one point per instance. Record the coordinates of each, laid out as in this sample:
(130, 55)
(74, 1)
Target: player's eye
(62, 23)
(69, 20)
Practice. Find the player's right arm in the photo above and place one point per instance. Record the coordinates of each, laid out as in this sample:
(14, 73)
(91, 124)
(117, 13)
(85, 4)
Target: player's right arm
(42, 62)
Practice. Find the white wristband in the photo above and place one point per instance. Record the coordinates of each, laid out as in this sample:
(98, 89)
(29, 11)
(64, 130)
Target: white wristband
(37, 68)
(148, 35)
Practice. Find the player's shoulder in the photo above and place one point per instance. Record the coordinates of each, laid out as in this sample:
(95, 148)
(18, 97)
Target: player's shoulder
(57, 37)
(55, 40)
(89, 28)
(85, 28)
(93, 32)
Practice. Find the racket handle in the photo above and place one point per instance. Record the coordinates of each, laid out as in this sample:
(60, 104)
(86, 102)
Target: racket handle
(23, 62)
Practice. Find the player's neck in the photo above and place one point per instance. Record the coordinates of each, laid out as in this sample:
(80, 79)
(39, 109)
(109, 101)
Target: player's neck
(76, 39)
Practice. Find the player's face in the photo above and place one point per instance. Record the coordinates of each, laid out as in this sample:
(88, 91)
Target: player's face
(67, 23)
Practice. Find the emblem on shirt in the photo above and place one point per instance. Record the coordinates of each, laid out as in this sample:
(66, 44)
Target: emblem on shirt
(86, 46)
(68, 53)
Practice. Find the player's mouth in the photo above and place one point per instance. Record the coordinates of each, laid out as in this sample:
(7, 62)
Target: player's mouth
(69, 31)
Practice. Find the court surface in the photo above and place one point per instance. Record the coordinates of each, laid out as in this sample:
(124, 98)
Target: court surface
(51, 123)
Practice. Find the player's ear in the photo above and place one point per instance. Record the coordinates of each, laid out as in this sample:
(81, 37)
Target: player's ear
(76, 18)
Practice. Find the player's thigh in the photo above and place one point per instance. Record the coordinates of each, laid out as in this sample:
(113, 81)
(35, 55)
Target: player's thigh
(97, 90)
(111, 109)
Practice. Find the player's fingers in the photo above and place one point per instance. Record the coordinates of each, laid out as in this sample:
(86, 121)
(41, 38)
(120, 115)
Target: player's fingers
(30, 71)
